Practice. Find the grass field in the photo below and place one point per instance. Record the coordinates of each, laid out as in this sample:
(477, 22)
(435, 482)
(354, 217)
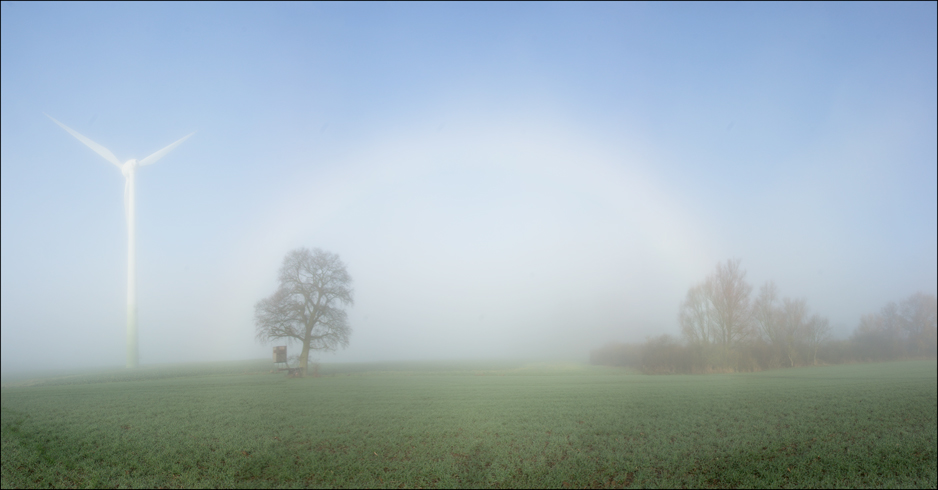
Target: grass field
(472, 425)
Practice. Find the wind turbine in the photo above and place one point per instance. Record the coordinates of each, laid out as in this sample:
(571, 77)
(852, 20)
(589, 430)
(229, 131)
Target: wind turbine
(129, 169)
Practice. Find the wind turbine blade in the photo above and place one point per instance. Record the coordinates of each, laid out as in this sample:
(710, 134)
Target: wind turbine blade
(160, 154)
(100, 150)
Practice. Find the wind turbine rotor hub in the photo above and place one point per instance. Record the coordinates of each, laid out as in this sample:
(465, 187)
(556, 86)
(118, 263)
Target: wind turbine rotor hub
(128, 166)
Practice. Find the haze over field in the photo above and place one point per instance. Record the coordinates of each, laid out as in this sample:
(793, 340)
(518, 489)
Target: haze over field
(501, 180)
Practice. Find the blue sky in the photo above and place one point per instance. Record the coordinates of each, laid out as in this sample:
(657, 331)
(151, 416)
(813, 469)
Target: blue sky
(501, 179)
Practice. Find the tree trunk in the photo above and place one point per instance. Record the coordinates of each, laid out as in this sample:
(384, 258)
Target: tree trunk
(304, 358)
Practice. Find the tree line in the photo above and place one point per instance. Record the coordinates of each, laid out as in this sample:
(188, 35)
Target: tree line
(725, 328)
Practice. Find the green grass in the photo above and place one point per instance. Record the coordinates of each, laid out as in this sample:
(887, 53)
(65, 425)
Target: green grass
(473, 424)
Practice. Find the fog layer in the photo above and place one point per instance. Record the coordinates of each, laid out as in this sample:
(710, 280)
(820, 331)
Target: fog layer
(525, 181)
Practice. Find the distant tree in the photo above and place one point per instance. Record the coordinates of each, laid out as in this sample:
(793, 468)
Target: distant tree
(818, 331)
(767, 316)
(891, 325)
(794, 326)
(871, 340)
(729, 297)
(308, 305)
(880, 336)
(898, 330)
(665, 355)
(917, 316)
(696, 316)
(837, 351)
(716, 315)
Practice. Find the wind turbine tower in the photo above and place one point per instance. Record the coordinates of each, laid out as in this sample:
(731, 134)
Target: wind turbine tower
(129, 169)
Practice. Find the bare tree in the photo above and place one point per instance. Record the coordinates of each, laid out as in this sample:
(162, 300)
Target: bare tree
(767, 317)
(818, 330)
(918, 315)
(871, 339)
(766, 312)
(696, 316)
(307, 307)
(729, 296)
(794, 326)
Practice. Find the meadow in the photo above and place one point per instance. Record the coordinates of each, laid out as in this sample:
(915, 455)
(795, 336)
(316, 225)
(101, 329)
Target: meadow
(404, 425)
